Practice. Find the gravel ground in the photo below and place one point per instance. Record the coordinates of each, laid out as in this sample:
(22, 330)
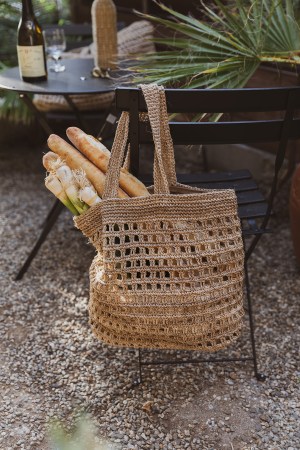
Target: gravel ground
(52, 366)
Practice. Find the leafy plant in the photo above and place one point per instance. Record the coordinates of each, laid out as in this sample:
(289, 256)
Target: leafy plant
(13, 109)
(46, 11)
(225, 50)
(10, 13)
(82, 437)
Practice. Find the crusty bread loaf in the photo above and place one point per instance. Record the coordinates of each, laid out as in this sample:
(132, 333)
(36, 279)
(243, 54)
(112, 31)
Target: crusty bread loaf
(75, 160)
(99, 155)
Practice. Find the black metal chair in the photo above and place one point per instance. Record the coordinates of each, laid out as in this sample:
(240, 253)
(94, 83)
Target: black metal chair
(254, 210)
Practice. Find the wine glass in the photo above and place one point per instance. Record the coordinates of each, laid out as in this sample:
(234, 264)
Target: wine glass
(55, 41)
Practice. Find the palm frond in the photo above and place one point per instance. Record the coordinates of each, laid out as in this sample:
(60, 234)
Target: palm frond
(224, 50)
(14, 110)
(11, 107)
(284, 32)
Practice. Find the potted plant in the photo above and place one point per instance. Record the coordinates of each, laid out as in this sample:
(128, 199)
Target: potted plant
(294, 206)
(249, 43)
(226, 48)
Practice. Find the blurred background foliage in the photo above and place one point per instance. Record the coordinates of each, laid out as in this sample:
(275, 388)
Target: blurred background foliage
(47, 12)
(81, 436)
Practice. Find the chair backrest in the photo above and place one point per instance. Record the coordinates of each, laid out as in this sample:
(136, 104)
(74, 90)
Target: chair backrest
(286, 100)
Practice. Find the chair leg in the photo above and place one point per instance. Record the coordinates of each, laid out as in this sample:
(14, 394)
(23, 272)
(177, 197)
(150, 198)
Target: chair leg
(52, 211)
(139, 380)
(259, 376)
(48, 224)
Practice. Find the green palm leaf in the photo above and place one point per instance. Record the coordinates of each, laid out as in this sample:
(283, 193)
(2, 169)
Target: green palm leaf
(224, 50)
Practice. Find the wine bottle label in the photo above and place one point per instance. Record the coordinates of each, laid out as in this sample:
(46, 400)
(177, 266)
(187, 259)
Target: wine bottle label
(31, 61)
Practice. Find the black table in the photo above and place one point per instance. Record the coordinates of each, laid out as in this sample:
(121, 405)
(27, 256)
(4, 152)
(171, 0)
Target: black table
(76, 79)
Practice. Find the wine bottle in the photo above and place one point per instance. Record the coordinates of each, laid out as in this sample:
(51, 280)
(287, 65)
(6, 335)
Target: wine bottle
(30, 47)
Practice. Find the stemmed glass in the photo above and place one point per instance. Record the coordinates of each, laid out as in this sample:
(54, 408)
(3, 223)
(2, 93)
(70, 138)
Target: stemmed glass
(55, 41)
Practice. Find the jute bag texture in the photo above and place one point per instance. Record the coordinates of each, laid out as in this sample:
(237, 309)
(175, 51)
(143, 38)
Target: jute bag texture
(169, 267)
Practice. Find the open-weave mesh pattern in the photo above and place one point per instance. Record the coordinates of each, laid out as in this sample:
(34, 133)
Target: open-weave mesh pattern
(85, 102)
(164, 279)
(169, 268)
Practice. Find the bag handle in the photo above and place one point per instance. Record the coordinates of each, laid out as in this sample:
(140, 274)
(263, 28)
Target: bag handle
(164, 162)
(158, 116)
(168, 148)
(168, 153)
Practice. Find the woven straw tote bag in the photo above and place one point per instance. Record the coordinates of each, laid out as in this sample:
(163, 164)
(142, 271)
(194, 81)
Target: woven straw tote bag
(169, 267)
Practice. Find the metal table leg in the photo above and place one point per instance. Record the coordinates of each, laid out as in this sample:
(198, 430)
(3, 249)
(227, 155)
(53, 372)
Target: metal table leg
(110, 120)
(76, 112)
(56, 210)
(57, 207)
(38, 114)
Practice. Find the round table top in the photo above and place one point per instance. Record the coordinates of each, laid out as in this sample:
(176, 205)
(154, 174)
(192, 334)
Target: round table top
(76, 79)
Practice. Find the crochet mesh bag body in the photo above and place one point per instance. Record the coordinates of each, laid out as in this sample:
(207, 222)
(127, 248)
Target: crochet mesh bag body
(169, 267)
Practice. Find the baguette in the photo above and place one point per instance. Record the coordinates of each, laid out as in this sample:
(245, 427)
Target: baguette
(75, 160)
(99, 155)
